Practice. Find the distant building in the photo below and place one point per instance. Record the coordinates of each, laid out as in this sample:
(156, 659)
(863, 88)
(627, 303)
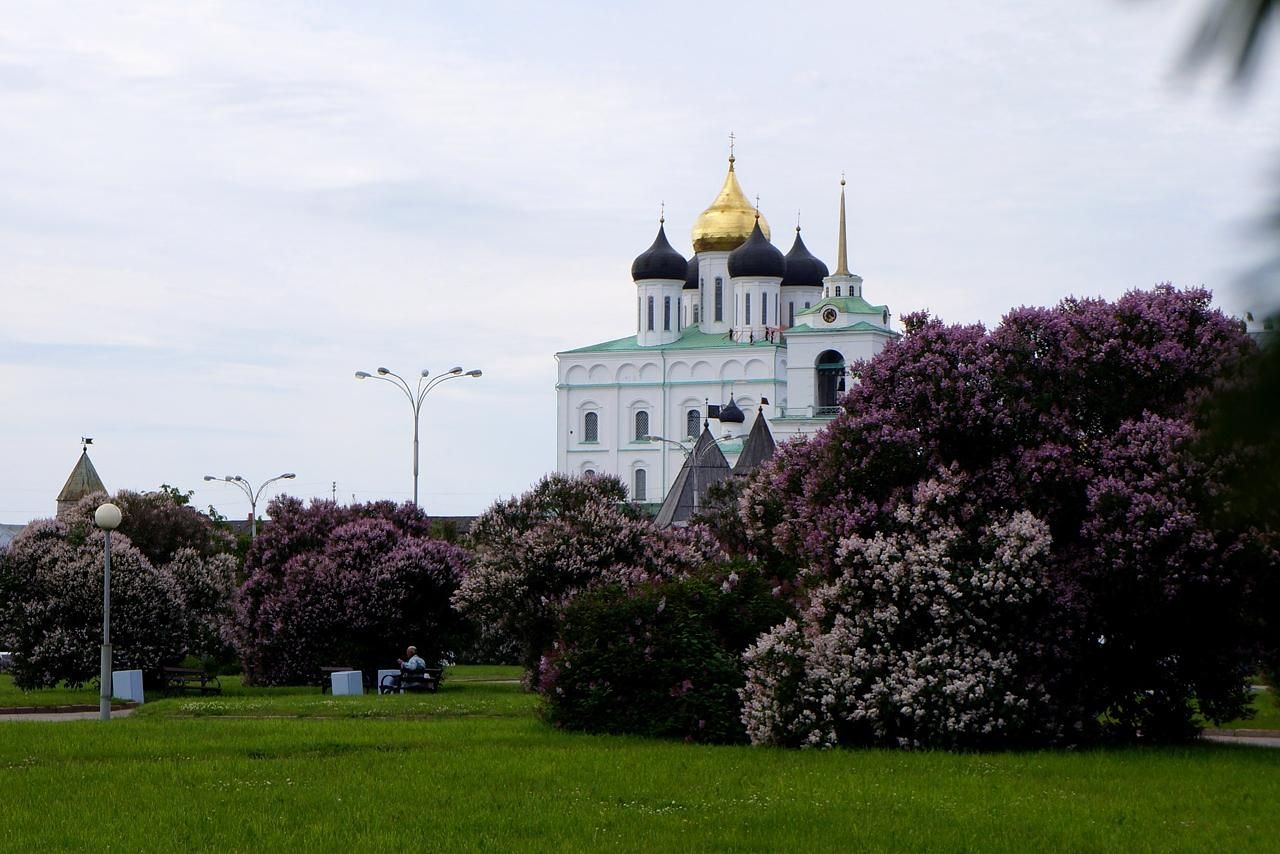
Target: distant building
(740, 322)
(8, 532)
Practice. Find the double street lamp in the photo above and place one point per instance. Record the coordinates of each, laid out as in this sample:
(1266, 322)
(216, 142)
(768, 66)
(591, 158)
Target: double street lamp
(415, 397)
(247, 489)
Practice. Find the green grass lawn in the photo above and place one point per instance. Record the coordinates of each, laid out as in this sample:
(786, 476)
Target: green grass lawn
(11, 696)
(473, 768)
(1266, 708)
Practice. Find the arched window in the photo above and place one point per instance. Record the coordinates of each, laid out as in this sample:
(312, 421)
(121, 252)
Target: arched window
(588, 472)
(885, 317)
(697, 313)
(639, 490)
(650, 314)
(837, 290)
(591, 427)
(692, 423)
(830, 381)
(764, 311)
(666, 314)
(792, 311)
(747, 316)
(642, 425)
(719, 299)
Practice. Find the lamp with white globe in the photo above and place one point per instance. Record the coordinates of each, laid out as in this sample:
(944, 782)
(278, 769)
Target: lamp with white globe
(107, 517)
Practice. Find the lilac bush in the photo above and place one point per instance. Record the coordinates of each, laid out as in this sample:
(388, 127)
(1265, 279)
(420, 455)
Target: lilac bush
(172, 583)
(920, 641)
(159, 524)
(1077, 422)
(208, 585)
(534, 553)
(51, 607)
(347, 585)
(661, 658)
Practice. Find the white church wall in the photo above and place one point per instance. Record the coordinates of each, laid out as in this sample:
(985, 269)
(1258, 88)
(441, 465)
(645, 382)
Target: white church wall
(712, 266)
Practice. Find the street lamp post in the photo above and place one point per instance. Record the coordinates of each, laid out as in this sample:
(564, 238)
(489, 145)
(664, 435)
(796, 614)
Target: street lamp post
(415, 397)
(247, 489)
(107, 517)
(688, 451)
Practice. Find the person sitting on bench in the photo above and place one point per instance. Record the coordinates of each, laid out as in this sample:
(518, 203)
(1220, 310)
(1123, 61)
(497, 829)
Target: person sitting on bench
(414, 663)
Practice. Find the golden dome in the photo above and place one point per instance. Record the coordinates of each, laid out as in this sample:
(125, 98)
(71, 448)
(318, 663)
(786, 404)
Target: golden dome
(727, 224)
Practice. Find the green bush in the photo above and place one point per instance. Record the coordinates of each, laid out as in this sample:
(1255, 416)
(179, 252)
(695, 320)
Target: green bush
(660, 659)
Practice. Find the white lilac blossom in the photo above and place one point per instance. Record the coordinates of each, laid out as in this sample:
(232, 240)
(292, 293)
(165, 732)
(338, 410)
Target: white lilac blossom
(909, 646)
(1083, 420)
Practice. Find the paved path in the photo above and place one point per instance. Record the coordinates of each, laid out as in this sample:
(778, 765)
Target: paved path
(64, 716)
(1232, 736)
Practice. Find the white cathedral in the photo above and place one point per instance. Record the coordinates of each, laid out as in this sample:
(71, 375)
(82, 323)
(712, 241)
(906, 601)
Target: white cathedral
(739, 326)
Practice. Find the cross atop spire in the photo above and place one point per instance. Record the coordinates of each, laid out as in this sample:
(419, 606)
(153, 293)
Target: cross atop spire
(731, 138)
(662, 212)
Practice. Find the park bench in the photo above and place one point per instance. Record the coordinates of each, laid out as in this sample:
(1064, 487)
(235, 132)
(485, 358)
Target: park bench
(176, 680)
(326, 682)
(412, 680)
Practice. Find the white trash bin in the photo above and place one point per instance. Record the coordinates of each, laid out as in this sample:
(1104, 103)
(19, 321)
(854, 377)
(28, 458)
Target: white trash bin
(127, 685)
(347, 682)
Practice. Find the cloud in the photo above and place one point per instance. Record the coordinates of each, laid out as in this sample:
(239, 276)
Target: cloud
(214, 213)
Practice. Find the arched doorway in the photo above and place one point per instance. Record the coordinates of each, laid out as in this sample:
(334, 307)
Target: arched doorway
(828, 382)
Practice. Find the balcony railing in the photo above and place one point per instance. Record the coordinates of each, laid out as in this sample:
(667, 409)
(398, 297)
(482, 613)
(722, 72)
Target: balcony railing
(811, 411)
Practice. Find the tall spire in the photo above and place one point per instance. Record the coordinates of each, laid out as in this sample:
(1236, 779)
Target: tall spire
(842, 250)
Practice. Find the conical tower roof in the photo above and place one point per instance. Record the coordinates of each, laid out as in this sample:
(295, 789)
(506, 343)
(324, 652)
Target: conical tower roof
(758, 448)
(727, 223)
(83, 481)
(702, 468)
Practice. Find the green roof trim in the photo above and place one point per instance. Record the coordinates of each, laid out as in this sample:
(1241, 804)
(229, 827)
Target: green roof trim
(849, 305)
(692, 338)
(860, 326)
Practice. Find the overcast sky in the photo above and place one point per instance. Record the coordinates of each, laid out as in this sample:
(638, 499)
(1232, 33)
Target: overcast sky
(211, 215)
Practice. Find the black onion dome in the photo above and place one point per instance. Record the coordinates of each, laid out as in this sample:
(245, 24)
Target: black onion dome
(691, 278)
(803, 267)
(757, 258)
(659, 261)
(731, 413)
